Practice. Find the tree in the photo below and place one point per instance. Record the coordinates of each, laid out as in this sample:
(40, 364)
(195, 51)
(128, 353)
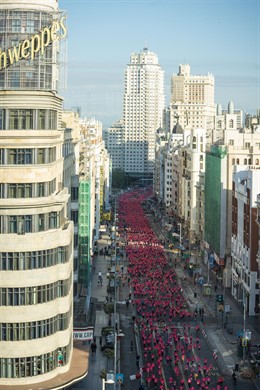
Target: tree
(118, 178)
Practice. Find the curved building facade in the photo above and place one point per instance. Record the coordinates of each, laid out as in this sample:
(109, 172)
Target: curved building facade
(36, 238)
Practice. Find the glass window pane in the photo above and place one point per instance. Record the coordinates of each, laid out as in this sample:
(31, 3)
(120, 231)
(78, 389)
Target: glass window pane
(41, 119)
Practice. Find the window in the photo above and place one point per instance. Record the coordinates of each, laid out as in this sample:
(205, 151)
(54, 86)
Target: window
(40, 189)
(16, 25)
(30, 26)
(27, 190)
(14, 79)
(194, 141)
(41, 119)
(53, 220)
(21, 120)
(40, 156)
(52, 119)
(20, 224)
(19, 190)
(19, 156)
(74, 216)
(74, 194)
(34, 365)
(2, 22)
(2, 119)
(41, 223)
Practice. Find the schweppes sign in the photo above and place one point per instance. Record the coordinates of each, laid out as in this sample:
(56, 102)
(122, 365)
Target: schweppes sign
(29, 48)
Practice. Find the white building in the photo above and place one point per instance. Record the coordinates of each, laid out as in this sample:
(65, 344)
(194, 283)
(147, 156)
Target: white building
(159, 165)
(94, 145)
(36, 237)
(225, 120)
(114, 141)
(244, 241)
(192, 99)
(143, 109)
(192, 165)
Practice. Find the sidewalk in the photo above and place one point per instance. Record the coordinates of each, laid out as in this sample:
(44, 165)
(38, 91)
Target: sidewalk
(126, 364)
(98, 293)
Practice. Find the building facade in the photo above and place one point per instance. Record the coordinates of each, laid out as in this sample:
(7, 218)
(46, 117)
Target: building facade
(244, 241)
(113, 138)
(192, 164)
(192, 99)
(143, 111)
(36, 240)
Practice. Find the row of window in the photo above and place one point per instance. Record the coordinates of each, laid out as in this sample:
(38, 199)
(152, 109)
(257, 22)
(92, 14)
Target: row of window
(21, 224)
(27, 156)
(23, 331)
(22, 296)
(20, 261)
(27, 190)
(35, 365)
(28, 22)
(245, 161)
(27, 119)
(37, 77)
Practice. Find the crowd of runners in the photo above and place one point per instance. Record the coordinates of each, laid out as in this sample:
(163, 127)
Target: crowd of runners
(171, 336)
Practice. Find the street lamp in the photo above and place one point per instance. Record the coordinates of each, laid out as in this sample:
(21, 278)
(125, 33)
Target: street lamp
(179, 224)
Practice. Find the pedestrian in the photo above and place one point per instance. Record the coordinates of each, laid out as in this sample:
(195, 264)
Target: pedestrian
(100, 341)
(93, 347)
(234, 377)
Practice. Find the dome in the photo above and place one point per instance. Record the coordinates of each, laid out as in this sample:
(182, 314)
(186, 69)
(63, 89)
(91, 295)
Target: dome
(177, 129)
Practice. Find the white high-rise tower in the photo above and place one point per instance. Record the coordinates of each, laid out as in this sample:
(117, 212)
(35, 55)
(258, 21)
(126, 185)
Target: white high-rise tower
(143, 107)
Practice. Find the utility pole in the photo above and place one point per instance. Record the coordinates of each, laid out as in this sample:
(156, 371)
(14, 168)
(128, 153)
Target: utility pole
(179, 224)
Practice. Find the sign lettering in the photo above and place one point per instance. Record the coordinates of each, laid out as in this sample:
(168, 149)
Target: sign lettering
(83, 334)
(29, 48)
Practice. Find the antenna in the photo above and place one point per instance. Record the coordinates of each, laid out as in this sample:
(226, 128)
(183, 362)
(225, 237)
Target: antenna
(145, 46)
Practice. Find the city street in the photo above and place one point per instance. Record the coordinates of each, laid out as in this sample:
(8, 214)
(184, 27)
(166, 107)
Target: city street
(177, 340)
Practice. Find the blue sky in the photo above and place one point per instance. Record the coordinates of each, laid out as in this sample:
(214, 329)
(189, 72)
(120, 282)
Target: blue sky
(221, 37)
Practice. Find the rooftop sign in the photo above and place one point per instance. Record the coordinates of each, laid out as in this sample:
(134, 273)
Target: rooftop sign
(29, 48)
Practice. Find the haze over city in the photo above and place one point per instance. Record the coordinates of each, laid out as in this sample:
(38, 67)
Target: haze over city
(218, 37)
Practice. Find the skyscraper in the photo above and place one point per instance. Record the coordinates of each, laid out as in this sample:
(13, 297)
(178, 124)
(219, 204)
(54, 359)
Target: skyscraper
(36, 237)
(143, 109)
